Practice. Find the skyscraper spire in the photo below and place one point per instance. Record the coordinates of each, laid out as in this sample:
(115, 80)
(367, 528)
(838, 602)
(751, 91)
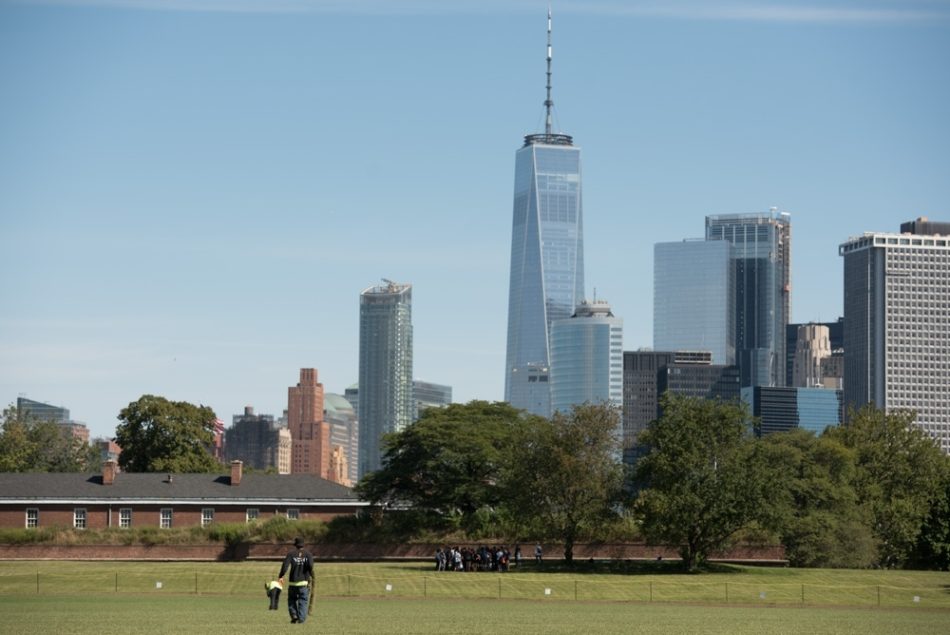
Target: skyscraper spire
(547, 102)
(548, 136)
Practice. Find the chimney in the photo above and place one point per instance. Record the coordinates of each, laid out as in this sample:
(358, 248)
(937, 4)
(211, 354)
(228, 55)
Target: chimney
(237, 468)
(109, 469)
(248, 411)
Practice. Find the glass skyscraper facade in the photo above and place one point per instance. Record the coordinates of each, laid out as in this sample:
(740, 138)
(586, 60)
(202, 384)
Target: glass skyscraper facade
(547, 263)
(780, 409)
(694, 298)
(761, 253)
(425, 395)
(385, 376)
(587, 358)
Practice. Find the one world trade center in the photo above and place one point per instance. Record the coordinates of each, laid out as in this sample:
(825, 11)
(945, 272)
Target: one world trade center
(547, 257)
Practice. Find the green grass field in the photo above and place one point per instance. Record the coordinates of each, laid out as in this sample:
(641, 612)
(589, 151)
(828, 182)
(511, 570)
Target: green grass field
(93, 597)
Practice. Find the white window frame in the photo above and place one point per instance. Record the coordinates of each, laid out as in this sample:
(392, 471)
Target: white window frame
(32, 517)
(293, 513)
(166, 517)
(207, 516)
(125, 517)
(80, 518)
(253, 513)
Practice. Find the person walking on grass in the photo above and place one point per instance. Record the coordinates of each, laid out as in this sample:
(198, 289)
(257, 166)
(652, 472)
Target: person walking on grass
(299, 563)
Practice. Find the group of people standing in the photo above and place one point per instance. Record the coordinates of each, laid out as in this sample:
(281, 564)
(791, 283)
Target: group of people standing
(483, 558)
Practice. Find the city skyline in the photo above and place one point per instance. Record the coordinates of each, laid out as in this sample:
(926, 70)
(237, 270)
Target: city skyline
(193, 199)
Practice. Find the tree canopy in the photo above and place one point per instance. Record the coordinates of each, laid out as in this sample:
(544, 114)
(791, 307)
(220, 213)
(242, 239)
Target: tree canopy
(448, 462)
(899, 477)
(28, 444)
(566, 472)
(703, 477)
(818, 519)
(158, 435)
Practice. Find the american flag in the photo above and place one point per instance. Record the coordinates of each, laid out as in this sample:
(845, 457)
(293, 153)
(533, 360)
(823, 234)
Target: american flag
(218, 426)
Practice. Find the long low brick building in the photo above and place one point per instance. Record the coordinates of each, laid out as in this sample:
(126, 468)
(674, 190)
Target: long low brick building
(124, 499)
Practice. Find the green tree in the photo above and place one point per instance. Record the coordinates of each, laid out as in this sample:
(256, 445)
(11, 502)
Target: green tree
(446, 464)
(932, 550)
(819, 519)
(898, 479)
(565, 473)
(28, 444)
(703, 479)
(158, 435)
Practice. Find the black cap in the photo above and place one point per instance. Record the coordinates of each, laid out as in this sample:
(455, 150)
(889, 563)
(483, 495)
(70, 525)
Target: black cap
(298, 542)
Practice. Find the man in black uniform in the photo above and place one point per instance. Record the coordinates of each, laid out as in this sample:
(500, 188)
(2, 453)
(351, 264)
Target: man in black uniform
(300, 563)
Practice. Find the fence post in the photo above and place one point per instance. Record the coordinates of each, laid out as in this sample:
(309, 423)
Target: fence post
(879, 595)
(37, 582)
(196, 583)
(575, 589)
(651, 591)
(803, 594)
(349, 590)
(727, 593)
(116, 581)
(499, 588)
(425, 587)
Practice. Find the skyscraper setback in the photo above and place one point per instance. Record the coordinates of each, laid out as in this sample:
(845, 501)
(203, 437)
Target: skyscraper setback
(310, 453)
(385, 379)
(547, 256)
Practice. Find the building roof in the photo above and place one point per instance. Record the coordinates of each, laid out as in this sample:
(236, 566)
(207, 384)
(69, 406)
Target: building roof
(280, 489)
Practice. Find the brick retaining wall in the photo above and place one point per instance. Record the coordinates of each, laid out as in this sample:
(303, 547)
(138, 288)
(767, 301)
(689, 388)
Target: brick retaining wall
(361, 552)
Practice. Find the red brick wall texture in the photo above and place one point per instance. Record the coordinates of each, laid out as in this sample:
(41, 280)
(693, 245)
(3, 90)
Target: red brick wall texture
(355, 552)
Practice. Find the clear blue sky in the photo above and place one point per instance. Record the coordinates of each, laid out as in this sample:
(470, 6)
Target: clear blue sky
(194, 193)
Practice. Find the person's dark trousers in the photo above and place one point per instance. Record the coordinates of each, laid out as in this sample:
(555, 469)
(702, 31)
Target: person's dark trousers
(274, 595)
(297, 597)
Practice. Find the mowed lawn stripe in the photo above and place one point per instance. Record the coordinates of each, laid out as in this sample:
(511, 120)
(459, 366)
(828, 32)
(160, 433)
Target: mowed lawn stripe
(732, 585)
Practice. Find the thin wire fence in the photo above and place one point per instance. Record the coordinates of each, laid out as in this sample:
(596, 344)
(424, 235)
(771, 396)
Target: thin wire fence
(481, 586)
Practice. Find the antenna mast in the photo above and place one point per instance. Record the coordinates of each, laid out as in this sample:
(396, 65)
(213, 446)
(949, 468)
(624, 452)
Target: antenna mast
(549, 137)
(547, 102)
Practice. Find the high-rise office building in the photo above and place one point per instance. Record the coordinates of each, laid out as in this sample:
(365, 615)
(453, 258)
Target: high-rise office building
(897, 324)
(352, 394)
(835, 339)
(385, 382)
(813, 344)
(587, 358)
(39, 411)
(547, 257)
(694, 305)
(425, 395)
(780, 409)
(309, 432)
(761, 253)
(647, 375)
(259, 442)
(344, 437)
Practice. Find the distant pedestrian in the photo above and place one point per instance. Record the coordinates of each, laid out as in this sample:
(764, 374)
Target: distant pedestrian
(300, 564)
(537, 553)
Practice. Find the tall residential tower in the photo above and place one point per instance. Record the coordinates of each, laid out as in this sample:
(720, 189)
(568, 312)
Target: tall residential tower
(385, 384)
(547, 257)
